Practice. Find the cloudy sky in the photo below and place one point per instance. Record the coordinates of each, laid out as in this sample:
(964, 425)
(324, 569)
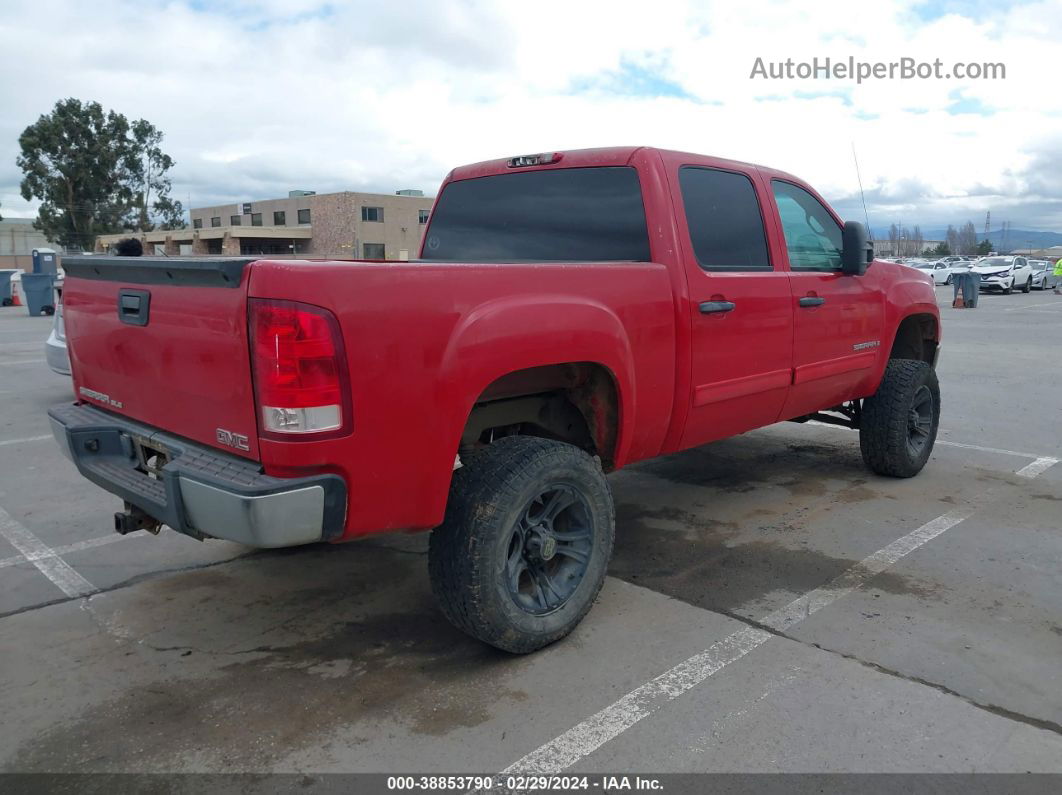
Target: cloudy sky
(257, 97)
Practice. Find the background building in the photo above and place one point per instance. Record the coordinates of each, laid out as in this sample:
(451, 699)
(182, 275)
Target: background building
(18, 238)
(305, 224)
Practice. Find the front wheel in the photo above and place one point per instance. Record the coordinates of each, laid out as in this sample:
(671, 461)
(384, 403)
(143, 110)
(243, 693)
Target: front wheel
(948, 281)
(1009, 288)
(522, 552)
(898, 423)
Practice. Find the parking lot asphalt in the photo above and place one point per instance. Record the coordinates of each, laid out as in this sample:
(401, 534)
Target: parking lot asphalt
(771, 606)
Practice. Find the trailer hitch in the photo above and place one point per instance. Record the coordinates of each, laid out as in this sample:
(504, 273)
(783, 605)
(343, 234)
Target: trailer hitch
(132, 519)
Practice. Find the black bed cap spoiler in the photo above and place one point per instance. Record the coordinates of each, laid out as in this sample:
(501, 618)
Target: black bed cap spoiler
(178, 271)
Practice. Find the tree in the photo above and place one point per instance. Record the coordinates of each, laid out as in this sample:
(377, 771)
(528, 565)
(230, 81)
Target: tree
(148, 173)
(984, 248)
(967, 239)
(94, 173)
(941, 250)
(917, 238)
(952, 238)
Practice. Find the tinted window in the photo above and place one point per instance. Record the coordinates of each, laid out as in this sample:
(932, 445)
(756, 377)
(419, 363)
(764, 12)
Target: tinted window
(372, 213)
(304, 216)
(256, 219)
(373, 251)
(726, 228)
(235, 220)
(279, 218)
(576, 214)
(812, 237)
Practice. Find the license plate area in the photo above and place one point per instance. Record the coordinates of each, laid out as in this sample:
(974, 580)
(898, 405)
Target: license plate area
(150, 456)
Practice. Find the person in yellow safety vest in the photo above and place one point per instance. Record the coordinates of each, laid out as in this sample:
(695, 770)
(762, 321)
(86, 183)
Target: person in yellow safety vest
(1058, 273)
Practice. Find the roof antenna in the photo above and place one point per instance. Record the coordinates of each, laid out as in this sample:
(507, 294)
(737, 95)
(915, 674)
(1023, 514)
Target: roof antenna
(861, 195)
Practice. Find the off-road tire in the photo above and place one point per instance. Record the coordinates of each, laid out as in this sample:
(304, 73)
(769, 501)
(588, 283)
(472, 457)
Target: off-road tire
(1028, 285)
(467, 554)
(885, 427)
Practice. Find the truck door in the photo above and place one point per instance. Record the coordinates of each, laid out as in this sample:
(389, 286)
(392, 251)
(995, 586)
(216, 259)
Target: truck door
(839, 318)
(741, 310)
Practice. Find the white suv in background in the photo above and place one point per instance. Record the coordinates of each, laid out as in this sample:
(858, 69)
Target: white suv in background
(1004, 273)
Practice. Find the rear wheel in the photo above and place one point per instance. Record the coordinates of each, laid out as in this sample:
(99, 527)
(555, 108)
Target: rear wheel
(898, 423)
(1028, 285)
(948, 280)
(522, 552)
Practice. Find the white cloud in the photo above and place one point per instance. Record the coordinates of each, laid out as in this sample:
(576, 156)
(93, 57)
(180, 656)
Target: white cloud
(256, 98)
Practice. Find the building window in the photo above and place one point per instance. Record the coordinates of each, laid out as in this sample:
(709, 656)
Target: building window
(235, 220)
(372, 214)
(279, 218)
(197, 223)
(215, 221)
(304, 216)
(256, 219)
(373, 251)
(423, 218)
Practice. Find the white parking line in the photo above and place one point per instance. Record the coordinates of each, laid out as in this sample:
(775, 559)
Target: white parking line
(44, 558)
(1037, 467)
(589, 735)
(945, 442)
(26, 439)
(66, 549)
(586, 737)
(22, 361)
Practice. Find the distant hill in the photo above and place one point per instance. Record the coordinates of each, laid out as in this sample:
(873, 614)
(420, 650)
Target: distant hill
(1016, 238)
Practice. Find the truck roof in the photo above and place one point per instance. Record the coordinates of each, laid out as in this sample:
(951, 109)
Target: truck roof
(603, 156)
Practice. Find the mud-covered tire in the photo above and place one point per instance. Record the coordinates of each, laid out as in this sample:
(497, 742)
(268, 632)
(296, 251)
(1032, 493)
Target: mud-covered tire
(908, 396)
(493, 496)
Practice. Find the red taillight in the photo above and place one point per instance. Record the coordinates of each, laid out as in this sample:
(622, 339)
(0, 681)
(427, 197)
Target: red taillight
(299, 367)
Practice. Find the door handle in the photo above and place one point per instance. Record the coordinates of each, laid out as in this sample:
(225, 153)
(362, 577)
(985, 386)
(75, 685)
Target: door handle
(711, 307)
(812, 300)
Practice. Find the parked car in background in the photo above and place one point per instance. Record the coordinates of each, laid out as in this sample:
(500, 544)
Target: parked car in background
(945, 269)
(1043, 274)
(1004, 273)
(55, 352)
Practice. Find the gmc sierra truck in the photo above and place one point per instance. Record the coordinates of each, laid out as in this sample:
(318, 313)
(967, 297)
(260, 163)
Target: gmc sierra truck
(570, 313)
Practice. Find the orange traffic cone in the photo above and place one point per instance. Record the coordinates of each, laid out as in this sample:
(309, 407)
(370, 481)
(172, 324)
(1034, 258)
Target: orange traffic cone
(14, 298)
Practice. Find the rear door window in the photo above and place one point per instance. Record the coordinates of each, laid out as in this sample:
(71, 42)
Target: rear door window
(723, 215)
(575, 214)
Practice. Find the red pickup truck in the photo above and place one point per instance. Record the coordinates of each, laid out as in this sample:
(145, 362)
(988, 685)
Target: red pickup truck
(570, 313)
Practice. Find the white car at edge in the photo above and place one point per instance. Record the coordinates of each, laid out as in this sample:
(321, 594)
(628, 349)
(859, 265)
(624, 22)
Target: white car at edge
(1004, 273)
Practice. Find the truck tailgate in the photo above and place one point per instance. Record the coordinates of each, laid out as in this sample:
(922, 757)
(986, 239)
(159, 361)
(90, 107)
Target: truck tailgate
(164, 342)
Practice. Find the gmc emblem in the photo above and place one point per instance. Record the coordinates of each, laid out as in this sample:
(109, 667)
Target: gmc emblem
(230, 439)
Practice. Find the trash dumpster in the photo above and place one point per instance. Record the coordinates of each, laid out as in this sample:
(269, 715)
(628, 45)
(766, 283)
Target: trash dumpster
(37, 289)
(969, 285)
(5, 287)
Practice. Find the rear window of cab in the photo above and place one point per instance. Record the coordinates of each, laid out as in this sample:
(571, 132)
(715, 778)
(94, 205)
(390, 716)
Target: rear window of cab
(568, 214)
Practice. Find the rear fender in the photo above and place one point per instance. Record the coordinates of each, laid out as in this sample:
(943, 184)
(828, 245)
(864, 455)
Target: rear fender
(520, 332)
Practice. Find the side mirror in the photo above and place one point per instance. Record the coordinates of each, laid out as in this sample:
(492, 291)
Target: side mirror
(857, 251)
